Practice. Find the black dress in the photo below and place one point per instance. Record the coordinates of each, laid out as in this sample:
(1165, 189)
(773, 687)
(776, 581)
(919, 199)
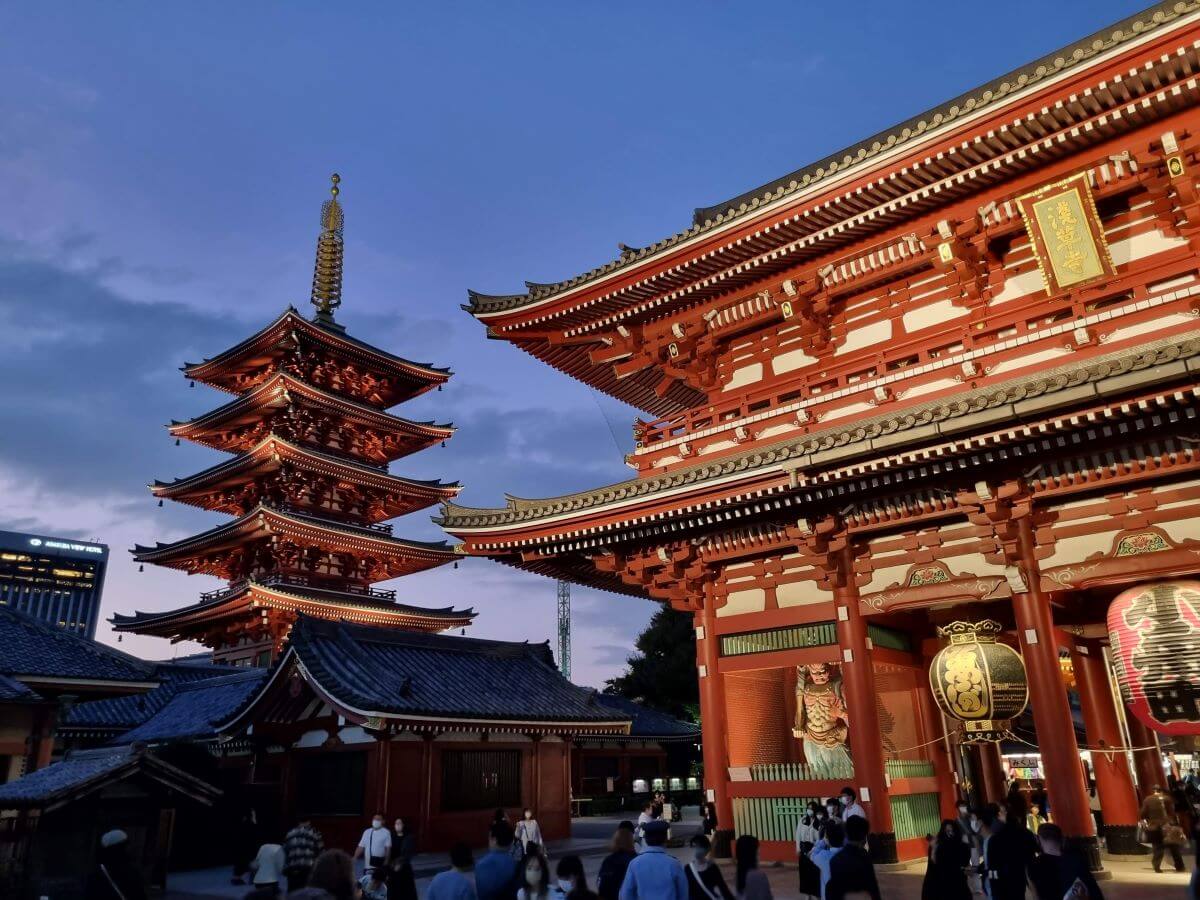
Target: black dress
(945, 876)
(400, 882)
(810, 875)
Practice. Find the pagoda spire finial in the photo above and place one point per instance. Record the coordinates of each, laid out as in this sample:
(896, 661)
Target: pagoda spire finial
(327, 273)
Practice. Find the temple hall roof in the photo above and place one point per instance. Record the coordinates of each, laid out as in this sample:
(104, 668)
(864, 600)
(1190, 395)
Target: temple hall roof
(37, 654)
(384, 674)
(114, 714)
(83, 772)
(193, 710)
(650, 723)
(862, 155)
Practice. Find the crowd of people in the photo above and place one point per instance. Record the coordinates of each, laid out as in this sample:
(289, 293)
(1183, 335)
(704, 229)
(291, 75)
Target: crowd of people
(999, 851)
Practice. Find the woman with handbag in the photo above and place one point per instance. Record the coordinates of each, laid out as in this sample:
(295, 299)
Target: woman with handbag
(1162, 828)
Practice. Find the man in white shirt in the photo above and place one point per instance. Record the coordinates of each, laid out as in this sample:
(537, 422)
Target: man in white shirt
(375, 845)
(850, 804)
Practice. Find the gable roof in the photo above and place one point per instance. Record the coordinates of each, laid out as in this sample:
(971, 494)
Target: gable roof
(650, 723)
(195, 708)
(84, 771)
(37, 651)
(386, 674)
(120, 713)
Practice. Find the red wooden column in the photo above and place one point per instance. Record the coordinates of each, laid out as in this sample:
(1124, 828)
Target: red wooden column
(1051, 712)
(1147, 763)
(858, 680)
(712, 721)
(933, 729)
(1114, 785)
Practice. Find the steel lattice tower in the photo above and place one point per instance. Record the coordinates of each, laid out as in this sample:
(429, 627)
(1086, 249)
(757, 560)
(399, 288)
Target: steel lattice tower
(564, 628)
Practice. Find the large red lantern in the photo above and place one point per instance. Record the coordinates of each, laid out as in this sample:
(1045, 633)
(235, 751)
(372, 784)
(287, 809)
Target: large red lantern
(1155, 635)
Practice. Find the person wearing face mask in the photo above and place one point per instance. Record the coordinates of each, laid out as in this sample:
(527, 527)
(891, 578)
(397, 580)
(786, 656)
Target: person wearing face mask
(833, 809)
(808, 832)
(704, 880)
(529, 833)
(850, 804)
(535, 877)
(572, 883)
(375, 845)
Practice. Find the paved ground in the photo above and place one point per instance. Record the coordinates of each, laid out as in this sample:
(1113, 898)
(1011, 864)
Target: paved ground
(1131, 880)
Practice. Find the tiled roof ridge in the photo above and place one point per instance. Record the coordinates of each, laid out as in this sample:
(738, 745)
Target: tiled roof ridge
(1050, 381)
(86, 645)
(707, 218)
(247, 673)
(378, 635)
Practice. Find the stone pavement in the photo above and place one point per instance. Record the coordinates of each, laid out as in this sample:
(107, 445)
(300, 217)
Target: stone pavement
(1131, 879)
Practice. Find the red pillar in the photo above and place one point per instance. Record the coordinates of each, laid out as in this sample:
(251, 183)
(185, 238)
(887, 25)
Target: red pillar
(1114, 785)
(712, 721)
(1147, 763)
(1051, 712)
(933, 729)
(866, 742)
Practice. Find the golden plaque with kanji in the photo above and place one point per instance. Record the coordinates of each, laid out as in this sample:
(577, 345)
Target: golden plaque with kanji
(1065, 232)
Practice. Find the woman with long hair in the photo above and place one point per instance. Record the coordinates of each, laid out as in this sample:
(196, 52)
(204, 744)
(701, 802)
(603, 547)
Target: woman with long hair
(752, 881)
(808, 832)
(949, 857)
(534, 876)
(572, 882)
(400, 880)
(613, 868)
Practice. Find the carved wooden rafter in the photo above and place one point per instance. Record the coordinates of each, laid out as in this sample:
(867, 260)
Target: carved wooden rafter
(673, 573)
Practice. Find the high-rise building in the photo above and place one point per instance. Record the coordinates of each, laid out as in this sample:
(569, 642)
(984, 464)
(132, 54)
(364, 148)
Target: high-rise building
(58, 580)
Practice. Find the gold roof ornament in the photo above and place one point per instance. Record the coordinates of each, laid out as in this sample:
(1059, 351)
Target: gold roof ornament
(327, 273)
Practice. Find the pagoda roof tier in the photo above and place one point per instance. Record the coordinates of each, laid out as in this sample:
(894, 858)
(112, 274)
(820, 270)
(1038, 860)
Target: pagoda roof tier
(247, 597)
(196, 554)
(270, 454)
(786, 475)
(256, 358)
(218, 428)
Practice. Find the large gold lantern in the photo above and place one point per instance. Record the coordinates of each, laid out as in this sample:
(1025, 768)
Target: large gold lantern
(978, 680)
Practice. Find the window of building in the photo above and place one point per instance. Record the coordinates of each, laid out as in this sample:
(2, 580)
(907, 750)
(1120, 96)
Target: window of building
(331, 784)
(480, 779)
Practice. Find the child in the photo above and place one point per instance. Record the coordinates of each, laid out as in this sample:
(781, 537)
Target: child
(373, 885)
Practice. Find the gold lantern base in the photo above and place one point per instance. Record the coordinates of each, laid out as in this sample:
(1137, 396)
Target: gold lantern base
(986, 731)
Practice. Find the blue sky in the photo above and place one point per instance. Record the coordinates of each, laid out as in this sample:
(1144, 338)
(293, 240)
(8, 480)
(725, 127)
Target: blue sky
(162, 168)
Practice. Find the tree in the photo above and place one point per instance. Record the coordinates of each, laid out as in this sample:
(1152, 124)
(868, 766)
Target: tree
(663, 674)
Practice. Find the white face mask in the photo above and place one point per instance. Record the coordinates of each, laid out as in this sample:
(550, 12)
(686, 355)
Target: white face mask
(566, 885)
(845, 800)
(377, 823)
(528, 814)
(533, 876)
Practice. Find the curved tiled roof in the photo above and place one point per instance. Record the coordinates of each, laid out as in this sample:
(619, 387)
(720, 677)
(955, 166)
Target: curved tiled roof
(193, 710)
(649, 723)
(385, 672)
(943, 116)
(120, 713)
(32, 648)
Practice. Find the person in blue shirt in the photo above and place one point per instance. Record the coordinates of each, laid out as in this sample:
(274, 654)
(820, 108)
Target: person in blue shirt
(453, 884)
(655, 874)
(496, 872)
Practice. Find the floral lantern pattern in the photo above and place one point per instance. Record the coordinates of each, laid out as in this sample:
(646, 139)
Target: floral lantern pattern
(978, 680)
(1154, 631)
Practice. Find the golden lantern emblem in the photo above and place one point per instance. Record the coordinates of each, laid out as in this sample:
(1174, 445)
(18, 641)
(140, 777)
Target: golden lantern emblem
(978, 680)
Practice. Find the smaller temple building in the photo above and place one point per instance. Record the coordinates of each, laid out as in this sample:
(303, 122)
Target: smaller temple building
(438, 730)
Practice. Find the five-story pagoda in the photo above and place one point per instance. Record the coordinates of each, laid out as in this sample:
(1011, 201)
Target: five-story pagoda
(308, 484)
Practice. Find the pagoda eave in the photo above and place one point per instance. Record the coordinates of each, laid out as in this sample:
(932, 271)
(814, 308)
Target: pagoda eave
(194, 554)
(231, 606)
(259, 349)
(271, 453)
